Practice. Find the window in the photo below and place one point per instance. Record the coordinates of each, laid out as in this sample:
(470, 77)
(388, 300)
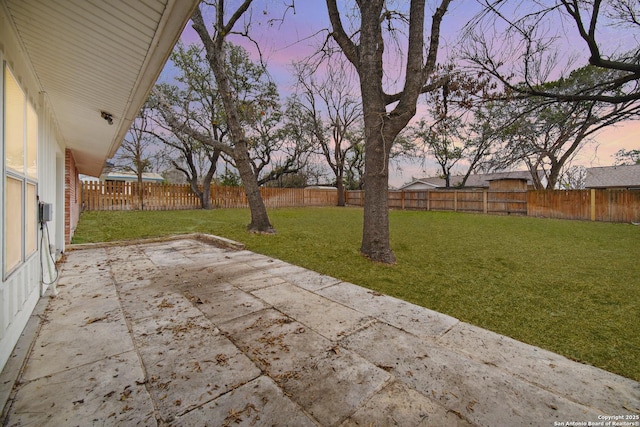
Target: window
(21, 173)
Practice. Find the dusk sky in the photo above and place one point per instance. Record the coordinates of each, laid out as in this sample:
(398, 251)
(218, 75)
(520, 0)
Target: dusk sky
(302, 30)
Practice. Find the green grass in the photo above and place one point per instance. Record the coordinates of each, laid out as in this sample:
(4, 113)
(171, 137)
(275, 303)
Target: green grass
(568, 286)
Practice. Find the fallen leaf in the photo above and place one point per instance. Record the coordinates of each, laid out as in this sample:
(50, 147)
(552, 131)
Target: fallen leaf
(165, 304)
(470, 405)
(125, 395)
(95, 319)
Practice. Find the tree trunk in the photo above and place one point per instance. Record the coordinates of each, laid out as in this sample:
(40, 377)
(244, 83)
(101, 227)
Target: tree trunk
(205, 199)
(382, 126)
(259, 218)
(193, 183)
(554, 175)
(340, 187)
(375, 233)
(216, 53)
(139, 191)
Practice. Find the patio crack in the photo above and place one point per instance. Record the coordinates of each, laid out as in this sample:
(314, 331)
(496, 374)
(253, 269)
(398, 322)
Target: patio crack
(144, 381)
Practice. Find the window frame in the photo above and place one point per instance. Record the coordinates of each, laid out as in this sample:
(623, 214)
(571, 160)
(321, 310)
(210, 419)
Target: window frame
(27, 177)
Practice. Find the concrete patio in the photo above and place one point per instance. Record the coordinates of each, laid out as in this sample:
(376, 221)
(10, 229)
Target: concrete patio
(193, 331)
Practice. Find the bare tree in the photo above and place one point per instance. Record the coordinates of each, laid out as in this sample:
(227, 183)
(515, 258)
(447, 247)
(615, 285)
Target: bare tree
(481, 139)
(136, 152)
(546, 136)
(216, 53)
(573, 178)
(442, 141)
(278, 148)
(386, 113)
(187, 116)
(196, 161)
(525, 53)
(333, 111)
(195, 126)
(455, 127)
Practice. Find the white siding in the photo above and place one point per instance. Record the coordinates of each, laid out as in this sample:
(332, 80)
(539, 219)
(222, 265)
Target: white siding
(18, 296)
(48, 151)
(20, 290)
(74, 59)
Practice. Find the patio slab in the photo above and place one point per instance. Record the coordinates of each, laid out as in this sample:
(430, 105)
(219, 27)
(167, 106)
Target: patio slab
(185, 332)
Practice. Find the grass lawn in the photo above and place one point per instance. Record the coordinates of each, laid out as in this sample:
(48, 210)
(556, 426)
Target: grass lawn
(568, 286)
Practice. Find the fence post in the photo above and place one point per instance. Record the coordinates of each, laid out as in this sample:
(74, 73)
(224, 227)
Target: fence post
(428, 200)
(593, 204)
(402, 199)
(455, 200)
(485, 201)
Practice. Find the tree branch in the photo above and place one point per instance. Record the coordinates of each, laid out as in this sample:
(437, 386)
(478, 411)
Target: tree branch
(350, 49)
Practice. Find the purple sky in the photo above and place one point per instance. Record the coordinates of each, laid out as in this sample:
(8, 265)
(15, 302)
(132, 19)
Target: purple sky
(302, 30)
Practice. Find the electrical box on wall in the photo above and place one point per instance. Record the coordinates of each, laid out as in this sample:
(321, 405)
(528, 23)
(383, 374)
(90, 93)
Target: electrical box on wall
(45, 212)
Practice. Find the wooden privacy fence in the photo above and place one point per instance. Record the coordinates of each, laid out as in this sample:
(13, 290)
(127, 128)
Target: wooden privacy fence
(117, 196)
(480, 201)
(594, 205)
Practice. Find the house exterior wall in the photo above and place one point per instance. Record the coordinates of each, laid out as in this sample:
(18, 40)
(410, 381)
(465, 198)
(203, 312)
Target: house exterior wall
(20, 287)
(508, 184)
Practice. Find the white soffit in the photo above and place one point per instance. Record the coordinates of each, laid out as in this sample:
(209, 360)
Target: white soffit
(93, 55)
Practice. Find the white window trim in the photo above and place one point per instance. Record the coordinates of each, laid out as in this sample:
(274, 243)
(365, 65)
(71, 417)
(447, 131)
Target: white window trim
(23, 178)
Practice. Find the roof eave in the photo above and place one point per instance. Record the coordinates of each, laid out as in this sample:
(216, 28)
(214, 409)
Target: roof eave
(173, 21)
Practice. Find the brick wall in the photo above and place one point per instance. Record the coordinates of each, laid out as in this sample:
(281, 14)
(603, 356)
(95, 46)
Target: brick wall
(72, 196)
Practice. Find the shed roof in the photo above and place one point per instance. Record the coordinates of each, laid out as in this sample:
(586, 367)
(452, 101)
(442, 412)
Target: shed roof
(613, 176)
(95, 56)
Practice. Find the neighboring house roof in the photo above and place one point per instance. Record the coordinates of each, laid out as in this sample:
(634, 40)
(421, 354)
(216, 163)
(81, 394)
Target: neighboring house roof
(627, 176)
(432, 182)
(93, 57)
(123, 176)
(321, 187)
(87, 178)
(478, 180)
(130, 177)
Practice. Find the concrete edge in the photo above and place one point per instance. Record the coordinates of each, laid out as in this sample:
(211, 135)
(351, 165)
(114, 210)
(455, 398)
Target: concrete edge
(210, 239)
